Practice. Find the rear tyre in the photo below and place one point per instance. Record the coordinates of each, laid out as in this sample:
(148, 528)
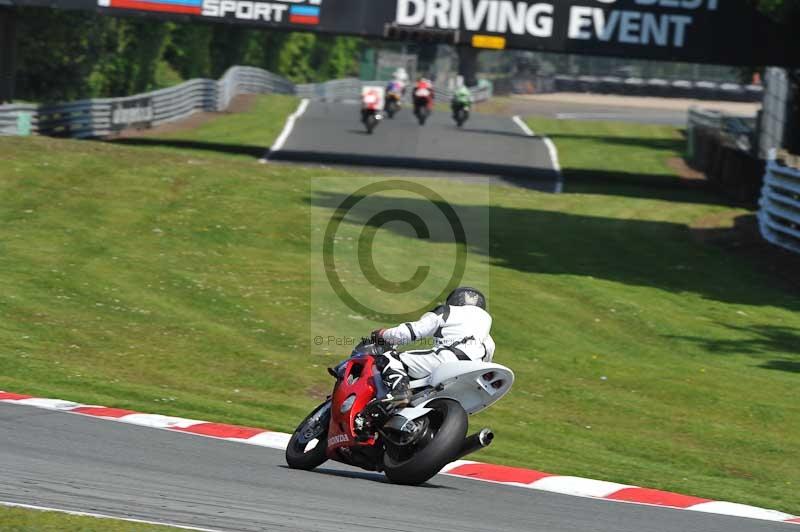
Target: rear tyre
(314, 427)
(417, 463)
(461, 117)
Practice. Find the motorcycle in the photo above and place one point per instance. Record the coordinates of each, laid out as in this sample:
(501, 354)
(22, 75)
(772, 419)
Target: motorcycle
(410, 445)
(422, 104)
(370, 111)
(371, 118)
(392, 103)
(461, 112)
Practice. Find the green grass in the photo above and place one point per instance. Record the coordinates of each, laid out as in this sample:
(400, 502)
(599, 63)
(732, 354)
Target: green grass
(243, 135)
(622, 158)
(23, 520)
(177, 282)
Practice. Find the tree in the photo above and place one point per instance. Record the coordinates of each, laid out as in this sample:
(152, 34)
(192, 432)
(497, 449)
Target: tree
(294, 58)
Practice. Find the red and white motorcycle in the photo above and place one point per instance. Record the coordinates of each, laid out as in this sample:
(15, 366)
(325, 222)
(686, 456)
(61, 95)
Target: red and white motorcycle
(423, 103)
(411, 445)
(371, 105)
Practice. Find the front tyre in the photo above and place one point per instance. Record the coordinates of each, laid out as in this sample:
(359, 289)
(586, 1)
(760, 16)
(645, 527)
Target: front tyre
(416, 463)
(306, 449)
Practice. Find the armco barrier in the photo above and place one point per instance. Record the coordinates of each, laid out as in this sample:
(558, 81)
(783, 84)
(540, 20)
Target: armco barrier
(100, 117)
(699, 90)
(779, 215)
(723, 147)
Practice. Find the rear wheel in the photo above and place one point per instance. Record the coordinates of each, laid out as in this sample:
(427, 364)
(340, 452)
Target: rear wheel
(461, 116)
(415, 463)
(371, 123)
(306, 449)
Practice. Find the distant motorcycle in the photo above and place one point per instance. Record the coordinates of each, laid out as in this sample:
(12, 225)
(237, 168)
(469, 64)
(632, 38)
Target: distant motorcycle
(423, 101)
(461, 105)
(392, 104)
(461, 113)
(394, 98)
(410, 445)
(371, 111)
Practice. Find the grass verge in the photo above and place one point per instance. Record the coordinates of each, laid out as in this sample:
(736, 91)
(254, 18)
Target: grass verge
(25, 520)
(174, 283)
(244, 135)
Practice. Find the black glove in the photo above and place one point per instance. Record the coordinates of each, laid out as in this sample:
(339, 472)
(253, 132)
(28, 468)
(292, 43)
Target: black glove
(376, 337)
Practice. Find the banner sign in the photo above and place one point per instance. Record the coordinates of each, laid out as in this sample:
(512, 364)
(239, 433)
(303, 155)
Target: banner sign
(132, 113)
(704, 31)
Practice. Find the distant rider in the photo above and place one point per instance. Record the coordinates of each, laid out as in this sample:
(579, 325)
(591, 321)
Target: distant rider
(398, 82)
(462, 98)
(423, 93)
(370, 103)
(460, 330)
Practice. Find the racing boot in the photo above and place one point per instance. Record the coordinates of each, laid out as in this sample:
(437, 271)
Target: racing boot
(398, 389)
(397, 395)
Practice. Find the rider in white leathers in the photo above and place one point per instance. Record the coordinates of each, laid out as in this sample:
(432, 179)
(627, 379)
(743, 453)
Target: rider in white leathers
(460, 329)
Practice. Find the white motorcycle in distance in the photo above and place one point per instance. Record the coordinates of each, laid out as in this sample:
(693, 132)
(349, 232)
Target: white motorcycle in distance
(412, 444)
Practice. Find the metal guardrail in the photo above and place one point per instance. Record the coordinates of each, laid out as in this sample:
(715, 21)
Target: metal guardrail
(707, 129)
(702, 90)
(779, 215)
(100, 117)
(664, 88)
(724, 147)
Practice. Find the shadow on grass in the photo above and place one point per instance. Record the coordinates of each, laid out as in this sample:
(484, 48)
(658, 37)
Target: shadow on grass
(658, 185)
(218, 147)
(663, 187)
(782, 365)
(655, 254)
(763, 341)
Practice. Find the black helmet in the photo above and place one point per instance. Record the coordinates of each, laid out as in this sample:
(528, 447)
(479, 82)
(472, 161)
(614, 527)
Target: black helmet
(464, 295)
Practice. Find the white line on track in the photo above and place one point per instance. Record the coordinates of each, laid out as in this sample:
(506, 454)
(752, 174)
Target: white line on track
(104, 516)
(522, 125)
(287, 129)
(551, 148)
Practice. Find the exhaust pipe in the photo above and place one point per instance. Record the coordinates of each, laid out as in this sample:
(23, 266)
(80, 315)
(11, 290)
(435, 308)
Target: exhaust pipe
(476, 442)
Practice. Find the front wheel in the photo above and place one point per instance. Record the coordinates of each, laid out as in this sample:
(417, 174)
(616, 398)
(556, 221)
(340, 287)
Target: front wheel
(414, 464)
(306, 449)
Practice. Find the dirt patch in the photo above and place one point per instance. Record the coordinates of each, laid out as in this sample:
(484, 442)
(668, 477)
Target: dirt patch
(240, 104)
(678, 164)
(739, 234)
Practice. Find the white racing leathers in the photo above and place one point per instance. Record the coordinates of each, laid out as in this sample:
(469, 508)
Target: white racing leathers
(458, 332)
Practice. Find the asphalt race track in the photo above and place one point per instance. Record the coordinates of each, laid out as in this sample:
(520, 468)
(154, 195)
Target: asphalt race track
(487, 145)
(67, 461)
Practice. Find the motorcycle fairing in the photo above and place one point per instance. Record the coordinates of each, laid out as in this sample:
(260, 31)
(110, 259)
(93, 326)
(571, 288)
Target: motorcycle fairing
(357, 380)
(474, 384)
